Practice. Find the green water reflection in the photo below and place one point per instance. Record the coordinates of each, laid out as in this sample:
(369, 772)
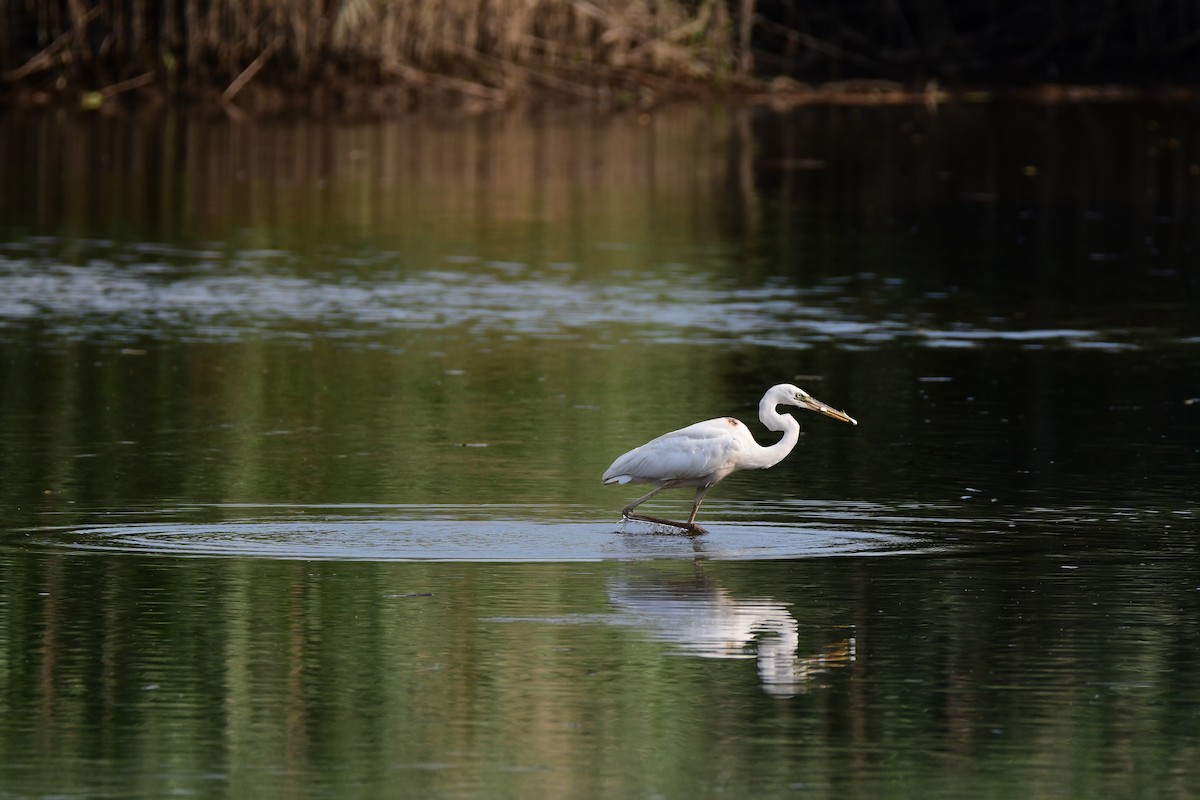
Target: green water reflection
(910, 677)
(230, 333)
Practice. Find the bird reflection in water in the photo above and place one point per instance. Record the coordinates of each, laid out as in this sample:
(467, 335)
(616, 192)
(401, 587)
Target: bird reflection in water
(707, 621)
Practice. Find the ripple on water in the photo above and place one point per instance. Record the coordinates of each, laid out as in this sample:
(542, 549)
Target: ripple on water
(467, 534)
(149, 290)
(738, 531)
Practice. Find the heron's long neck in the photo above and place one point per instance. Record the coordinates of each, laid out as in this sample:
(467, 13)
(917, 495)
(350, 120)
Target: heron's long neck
(771, 455)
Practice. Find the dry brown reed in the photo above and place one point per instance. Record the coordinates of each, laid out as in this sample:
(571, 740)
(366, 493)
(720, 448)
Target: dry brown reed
(487, 51)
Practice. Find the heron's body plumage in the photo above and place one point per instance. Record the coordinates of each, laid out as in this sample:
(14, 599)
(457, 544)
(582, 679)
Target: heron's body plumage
(703, 454)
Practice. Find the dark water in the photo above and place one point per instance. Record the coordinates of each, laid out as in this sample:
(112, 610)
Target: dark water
(302, 424)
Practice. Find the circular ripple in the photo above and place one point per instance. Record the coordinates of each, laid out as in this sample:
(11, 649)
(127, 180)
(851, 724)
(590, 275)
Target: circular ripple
(473, 540)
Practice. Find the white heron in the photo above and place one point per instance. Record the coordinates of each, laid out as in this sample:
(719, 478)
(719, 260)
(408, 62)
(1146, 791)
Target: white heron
(700, 455)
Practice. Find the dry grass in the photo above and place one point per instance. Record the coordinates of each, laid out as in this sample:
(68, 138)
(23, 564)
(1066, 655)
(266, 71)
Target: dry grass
(488, 51)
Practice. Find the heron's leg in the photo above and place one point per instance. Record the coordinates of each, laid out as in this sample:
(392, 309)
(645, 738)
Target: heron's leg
(691, 526)
(703, 490)
(625, 512)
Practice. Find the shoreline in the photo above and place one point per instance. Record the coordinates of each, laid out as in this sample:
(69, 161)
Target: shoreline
(340, 99)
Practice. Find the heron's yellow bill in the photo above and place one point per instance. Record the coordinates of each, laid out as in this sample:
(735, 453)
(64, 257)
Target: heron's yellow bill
(814, 404)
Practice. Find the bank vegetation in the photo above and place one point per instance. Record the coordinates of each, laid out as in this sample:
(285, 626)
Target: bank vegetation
(380, 55)
(372, 52)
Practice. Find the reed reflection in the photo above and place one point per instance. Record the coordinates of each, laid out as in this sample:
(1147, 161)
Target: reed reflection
(702, 619)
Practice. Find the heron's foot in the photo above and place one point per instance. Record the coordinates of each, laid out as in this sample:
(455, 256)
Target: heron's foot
(688, 528)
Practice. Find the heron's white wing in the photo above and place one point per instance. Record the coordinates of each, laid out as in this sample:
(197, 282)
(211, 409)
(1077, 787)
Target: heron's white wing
(688, 454)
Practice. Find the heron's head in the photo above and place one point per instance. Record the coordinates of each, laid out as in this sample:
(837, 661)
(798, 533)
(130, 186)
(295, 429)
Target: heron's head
(787, 394)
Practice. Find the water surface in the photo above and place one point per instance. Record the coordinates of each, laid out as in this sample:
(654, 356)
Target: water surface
(302, 424)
